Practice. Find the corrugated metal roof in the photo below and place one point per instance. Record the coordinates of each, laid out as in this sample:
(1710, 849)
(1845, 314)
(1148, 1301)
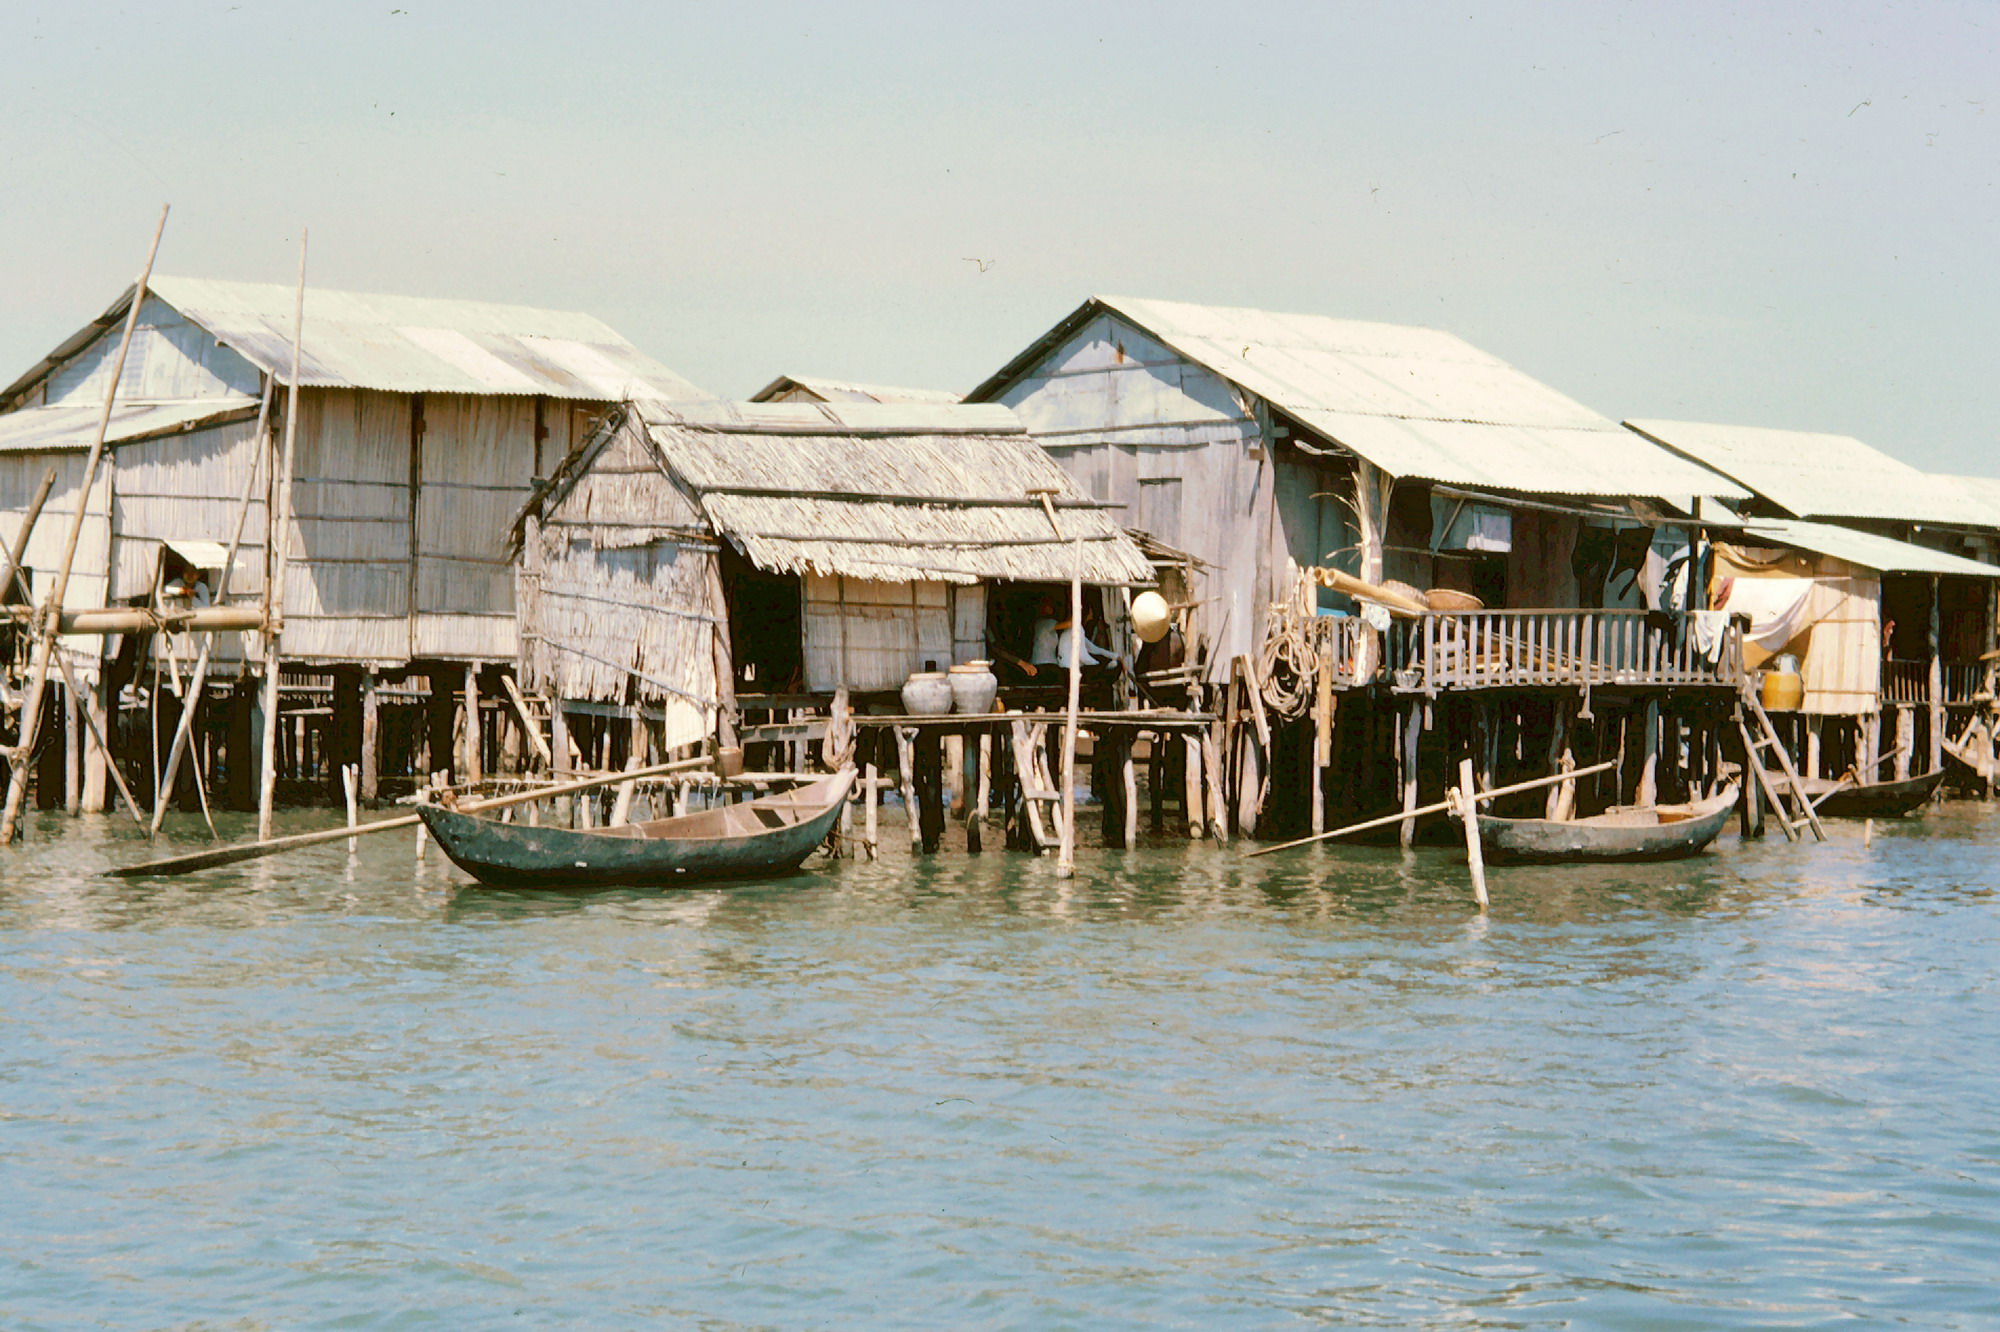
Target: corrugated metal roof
(891, 492)
(1981, 492)
(408, 344)
(71, 429)
(1820, 476)
(1416, 402)
(1884, 554)
(841, 390)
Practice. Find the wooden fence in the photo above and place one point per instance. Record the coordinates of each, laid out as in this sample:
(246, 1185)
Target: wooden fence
(1513, 649)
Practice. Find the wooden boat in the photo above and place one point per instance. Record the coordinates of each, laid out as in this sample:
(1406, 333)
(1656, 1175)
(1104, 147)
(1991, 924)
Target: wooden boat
(770, 835)
(1650, 832)
(1878, 800)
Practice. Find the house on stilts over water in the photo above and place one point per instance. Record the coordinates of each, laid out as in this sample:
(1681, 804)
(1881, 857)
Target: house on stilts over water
(768, 576)
(1529, 609)
(1880, 580)
(423, 426)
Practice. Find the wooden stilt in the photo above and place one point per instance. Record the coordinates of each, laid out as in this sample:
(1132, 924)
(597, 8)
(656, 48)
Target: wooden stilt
(1128, 771)
(1560, 759)
(1412, 734)
(954, 774)
(871, 822)
(72, 753)
(474, 760)
(96, 762)
(906, 763)
(979, 778)
(1468, 808)
(1648, 792)
(371, 738)
(1211, 766)
(350, 782)
(1191, 798)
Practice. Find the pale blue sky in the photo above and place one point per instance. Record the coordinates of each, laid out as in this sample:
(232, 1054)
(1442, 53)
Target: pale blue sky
(1780, 215)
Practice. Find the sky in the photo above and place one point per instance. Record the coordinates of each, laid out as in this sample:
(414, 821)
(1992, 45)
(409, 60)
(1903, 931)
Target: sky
(1778, 215)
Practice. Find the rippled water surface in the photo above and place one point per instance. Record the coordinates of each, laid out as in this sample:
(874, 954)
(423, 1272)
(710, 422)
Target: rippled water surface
(1187, 1090)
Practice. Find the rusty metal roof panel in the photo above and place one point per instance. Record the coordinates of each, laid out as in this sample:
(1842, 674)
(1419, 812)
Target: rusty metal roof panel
(1817, 475)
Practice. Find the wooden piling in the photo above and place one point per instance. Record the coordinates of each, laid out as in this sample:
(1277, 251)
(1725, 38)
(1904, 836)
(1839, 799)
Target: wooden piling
(1411, 729)
(1475, 854)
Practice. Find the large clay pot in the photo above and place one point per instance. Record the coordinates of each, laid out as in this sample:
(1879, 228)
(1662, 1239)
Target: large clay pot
(927, 694)
(1784, 691)
(973, 687)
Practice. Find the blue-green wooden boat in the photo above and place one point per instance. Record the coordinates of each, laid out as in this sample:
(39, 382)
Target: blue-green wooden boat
(767, 836)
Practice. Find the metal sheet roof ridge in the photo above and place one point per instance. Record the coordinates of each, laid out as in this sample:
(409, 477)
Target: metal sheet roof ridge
(874, 392)
(826, 418)
(373, 330)
(1866, 549)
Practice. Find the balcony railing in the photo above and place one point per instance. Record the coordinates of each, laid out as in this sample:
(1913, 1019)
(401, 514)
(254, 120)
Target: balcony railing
(1523, 648)
(1907, 682)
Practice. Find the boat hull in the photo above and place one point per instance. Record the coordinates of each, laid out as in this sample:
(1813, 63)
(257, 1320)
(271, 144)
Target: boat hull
(513, 855)
(1552, 842)
(1883, 800)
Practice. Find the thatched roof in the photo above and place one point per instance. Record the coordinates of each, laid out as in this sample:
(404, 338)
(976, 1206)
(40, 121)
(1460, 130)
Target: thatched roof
(890, 492)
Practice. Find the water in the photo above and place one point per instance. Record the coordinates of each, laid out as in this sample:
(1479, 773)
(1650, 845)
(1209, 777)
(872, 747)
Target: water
(1187, 1090)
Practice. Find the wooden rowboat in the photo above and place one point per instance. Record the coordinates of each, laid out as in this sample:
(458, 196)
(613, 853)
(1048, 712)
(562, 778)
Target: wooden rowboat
(1879, 800)
(1651, 832)
(770, 835)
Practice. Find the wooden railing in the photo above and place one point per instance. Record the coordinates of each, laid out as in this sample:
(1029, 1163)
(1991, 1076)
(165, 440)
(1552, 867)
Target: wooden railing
(1907, 682)
(1517, 648)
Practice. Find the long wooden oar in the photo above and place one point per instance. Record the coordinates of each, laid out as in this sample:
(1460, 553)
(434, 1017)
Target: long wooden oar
(1437, 808)
(230, 855)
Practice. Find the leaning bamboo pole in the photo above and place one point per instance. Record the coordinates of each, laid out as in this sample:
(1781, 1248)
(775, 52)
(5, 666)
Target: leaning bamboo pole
(23, 754)
(230, 855)
(1437, 808)
(186, 726)
(279, 525)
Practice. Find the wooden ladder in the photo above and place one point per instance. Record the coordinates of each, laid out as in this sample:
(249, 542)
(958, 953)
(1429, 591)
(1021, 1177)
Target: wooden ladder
(1803, 814)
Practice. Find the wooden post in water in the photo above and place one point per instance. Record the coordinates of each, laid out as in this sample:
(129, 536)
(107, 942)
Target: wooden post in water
(1936, 640)
(371, 737)
(1130, 775)
(1649, 755)
(1191, 800)
(1475, 854)
(1412, 735)
(871, 818)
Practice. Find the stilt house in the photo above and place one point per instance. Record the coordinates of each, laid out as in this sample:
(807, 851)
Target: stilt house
(423, 425)
(1257, 441)
(1530, 536)
(692, 561)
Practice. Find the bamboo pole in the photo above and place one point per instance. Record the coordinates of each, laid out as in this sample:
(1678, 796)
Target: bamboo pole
(183, 731)
(230, 855)
(1440, 807)
(280, 548)
(51, 614)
